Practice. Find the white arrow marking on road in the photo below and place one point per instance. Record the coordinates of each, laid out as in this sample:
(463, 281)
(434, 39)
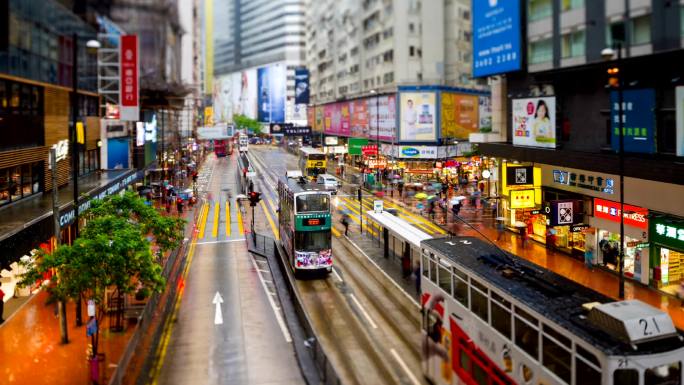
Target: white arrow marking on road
(218, 316)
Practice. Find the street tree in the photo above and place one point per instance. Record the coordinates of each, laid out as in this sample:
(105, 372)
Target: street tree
(247, 123)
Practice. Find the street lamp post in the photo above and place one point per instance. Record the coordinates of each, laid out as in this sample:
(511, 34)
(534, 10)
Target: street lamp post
(608, 53)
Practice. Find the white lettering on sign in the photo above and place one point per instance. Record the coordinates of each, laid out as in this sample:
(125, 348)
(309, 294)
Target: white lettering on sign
(61, 149)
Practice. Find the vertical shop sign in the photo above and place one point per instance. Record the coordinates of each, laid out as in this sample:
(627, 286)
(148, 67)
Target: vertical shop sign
(638, 120)
(128, 73)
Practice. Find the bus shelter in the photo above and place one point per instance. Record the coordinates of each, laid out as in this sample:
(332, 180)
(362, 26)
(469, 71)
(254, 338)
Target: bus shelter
(399, 239)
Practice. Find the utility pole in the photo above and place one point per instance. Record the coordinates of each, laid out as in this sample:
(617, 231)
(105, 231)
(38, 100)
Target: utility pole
(63, 330)
(75, 149)
(621, 119)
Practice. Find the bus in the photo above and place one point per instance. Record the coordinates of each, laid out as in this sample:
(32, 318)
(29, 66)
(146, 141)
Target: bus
(223, 147)
(312, 162)
(305, 224)
(243, 143)
(490, 317)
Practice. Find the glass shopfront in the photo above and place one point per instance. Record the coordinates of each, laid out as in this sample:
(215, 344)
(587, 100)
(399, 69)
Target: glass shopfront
(20, 182)
(609, 251)
(667, 254)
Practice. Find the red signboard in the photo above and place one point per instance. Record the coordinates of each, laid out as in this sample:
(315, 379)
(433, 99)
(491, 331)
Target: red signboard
(128, 72)
(370, 149)
(634, 215)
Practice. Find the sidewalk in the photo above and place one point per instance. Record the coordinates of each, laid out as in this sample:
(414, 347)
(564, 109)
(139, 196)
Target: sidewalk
(598, 279)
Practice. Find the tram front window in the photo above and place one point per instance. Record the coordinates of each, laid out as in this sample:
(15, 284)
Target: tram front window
(664, 375)
(312, 241)
(307, 203)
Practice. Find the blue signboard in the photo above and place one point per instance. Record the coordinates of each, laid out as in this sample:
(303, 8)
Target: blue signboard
(271, 93)
(117, 153)
(639, 120)
(496, 37)
(301, 86)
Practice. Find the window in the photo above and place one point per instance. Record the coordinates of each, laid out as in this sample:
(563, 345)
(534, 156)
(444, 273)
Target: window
(313, 203)
(540, 51)
(681, 20)
(480, 374)
(617, 26)
(572, 4)
(539, 9)
(460, 287)
(464, 360)
(572, 44)
(3, 97)
(501, 315)
(641, 30)
(433, 268)
(526, 333)
(664, 374)
(556, 358)
(444, 279)
(626, 377)
(426, 266)
(478, 298)
(586, 374)
(412, 28)
(313, 241)
(412, 51)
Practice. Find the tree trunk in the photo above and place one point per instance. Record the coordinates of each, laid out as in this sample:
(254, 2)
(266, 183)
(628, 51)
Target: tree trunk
(63, 331)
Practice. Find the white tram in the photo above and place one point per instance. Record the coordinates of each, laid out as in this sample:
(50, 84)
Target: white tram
(493, 318)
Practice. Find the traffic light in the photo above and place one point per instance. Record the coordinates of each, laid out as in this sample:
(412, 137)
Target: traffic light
(613, 80)
(254, 198)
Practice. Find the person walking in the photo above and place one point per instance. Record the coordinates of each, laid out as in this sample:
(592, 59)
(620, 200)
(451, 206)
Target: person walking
(345, 223)
(2, 306)
(499, 229)
(179, 205)
(589, 258)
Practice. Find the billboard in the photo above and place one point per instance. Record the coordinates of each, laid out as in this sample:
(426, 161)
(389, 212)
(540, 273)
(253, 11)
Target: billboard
(310, 118)
(244, 94)
(382, 126)
(534, 122)
(301, 86)
(318, 119)
(639, 120)
(129, 62)
(271, 93)
(459, 115)
(496, 37)
(417, 117)
(485, 114)
(359, 118)
(117, 153)
(223, 99)
(337, 119)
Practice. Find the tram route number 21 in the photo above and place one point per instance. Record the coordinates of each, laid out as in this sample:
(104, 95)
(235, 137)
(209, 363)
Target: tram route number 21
(650, 328)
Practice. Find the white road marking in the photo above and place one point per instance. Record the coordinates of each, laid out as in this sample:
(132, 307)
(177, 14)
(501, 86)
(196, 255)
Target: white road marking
(337, 275)
(278, 315)
(363, 311)
(401, 362)
(218, 316)
(413, 301)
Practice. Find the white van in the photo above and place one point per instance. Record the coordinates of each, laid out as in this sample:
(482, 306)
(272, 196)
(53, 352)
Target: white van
(328, 181)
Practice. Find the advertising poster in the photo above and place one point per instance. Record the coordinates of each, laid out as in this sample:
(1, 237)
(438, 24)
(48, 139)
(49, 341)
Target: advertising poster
(337, 119)
(223, 99)
(271, 93)
(311, 118)
(485, 113)
(639, 120)
(318, 119)
(301, 86)
(417, 117)
(117, 153)
(244, 93)
(459, 115)
(383, 126)
(534, 122)
(359, 118)
(496, 37)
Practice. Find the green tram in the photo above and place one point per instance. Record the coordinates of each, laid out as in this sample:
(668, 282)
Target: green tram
(305, 223)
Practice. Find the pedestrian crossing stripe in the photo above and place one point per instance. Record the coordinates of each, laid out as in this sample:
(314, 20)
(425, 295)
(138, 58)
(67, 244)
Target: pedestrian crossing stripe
(241, 228)
(214, 230)
(203, 220)
(228, 224)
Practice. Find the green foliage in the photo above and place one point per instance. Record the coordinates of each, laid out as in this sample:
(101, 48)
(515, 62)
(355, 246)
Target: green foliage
(244, 122)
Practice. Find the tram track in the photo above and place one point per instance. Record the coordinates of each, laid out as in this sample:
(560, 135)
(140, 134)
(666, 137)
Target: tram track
(341, 321)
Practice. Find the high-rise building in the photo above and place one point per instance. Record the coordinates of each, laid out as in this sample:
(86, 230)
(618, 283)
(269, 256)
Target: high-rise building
(557, 86)
(361, 45)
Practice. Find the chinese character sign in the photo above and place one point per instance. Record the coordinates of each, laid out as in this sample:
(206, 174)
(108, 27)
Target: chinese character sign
(128, 73)
(668, 232)
(637, 118)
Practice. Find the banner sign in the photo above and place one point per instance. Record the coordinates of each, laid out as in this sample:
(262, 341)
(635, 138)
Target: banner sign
(128, 73)
(496, 37)
(277, 128)
(290, 130)
(370, 149)
(522, 199)
(534, 122)
(638, 120)
(331, 141)
(522, 175)
(634, 215)
(271, 97)
(301, 86)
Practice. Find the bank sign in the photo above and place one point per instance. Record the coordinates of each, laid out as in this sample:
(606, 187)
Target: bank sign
(638, 120)
(496, 37)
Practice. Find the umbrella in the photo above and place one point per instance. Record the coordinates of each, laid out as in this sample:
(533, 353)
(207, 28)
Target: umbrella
(454, 201)
(431, 198)
(396, 176)
(459, 198)
(421, 195)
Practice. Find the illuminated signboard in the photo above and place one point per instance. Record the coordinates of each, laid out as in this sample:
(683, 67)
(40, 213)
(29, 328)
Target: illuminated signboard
(667, 231)
(522, 199)
(314, 221)
(634, 215)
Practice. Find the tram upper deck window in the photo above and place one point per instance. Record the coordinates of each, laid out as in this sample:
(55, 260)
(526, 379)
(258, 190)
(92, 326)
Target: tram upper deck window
(445, 279)
(626, 377)
(308, 203)
(460, 286)
(479, 299)
(526, 335)
(501, 315)
(664, 374)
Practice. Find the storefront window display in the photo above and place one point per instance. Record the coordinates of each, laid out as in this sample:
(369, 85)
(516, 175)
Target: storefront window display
(667, 237)
(609, 251)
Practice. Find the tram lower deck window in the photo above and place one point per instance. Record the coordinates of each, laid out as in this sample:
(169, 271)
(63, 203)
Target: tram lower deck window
(664, 374)
(585, 374)
(626, 377)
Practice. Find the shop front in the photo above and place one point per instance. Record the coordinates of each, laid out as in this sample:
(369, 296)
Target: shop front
(565, 229)
(521, 198)
(606, 242)
(667, 252)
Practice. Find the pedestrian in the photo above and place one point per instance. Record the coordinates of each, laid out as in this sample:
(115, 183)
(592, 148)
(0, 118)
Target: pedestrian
(251, 186)
(345, 223)
(523, 235)
(179, 205)
(455, 209)
(589, 258)
(499, 229)
(2, 306)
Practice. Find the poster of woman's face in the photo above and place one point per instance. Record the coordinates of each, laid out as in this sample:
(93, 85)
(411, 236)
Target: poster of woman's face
(534, 122)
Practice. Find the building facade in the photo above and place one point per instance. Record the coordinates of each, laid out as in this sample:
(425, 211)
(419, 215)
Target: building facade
(559, 119)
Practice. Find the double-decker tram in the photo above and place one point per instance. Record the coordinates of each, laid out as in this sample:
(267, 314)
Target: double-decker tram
(312, 162)
(305, 223)
(243, 143)
(492, 318)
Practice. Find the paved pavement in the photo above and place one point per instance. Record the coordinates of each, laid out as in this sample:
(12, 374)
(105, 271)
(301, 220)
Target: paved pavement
(245, 343)
(597, 278)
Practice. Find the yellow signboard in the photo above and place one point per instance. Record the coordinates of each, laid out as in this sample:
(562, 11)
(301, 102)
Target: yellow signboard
(209, 116)
(315, 164)
(522, 199)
